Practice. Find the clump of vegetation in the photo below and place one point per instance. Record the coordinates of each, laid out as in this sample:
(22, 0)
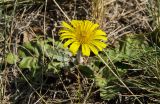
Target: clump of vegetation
(106, 52)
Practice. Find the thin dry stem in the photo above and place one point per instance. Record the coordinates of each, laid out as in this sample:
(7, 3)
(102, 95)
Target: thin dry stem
(62, 10)
(119, 79)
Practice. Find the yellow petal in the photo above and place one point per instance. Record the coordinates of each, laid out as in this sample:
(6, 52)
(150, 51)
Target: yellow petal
(66, 37)
(64, 31)
(93, 49)
(85, 50)
(99, 32)
(100, 37)
(74, 47)
(94, 26)
(88, 24)
(67, 33)
(74, 23)
(66, 25)
(100, 45)
(81, 26)
(68, 42)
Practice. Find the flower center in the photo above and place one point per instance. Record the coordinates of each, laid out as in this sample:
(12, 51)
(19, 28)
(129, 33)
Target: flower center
(83, 37)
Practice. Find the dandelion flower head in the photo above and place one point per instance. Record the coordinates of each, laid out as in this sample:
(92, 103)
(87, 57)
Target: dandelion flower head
(83, 35)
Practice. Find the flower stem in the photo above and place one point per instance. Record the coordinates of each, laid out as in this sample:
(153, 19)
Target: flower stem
(79, 57)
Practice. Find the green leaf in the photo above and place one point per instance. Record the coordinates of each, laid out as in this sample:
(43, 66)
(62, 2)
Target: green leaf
(100, 81)
(34, 63)
(32, 48)
(108, 92)
(61, 58)
(128, 48)
(54, 66)
(21, 52)
(11, 58)
(86, 71)
(29, 62)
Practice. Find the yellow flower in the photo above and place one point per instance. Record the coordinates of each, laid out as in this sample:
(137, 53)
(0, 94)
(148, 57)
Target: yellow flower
(83, 35)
